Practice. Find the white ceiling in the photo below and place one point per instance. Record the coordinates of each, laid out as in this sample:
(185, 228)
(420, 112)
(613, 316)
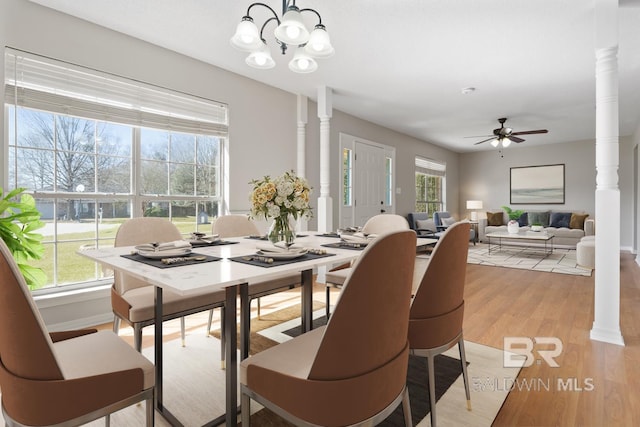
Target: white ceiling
(402, 64)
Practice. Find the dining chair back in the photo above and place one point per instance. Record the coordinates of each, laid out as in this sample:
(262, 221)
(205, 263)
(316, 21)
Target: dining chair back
(353, 371)
(132, 299)
(385, 223)
(241, 225)
(50, 379)
(378, 224)
(437, 310)
(234, 226)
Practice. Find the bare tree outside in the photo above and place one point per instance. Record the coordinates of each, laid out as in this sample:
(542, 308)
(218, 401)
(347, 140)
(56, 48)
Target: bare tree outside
(86, 154)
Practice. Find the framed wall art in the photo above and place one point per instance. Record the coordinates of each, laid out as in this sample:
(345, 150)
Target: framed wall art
(532, 185)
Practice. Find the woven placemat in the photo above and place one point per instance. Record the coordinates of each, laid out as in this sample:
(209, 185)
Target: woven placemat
(256, 259)
(158, 262)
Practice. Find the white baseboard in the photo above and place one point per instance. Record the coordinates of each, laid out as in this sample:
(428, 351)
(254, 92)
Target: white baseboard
(75, 309)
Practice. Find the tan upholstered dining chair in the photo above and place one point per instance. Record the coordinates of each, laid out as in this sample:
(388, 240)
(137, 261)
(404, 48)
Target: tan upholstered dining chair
(437, 310)
(63, 378)
(238, 225)
(352, 371)
(377, 224)
(133, 301)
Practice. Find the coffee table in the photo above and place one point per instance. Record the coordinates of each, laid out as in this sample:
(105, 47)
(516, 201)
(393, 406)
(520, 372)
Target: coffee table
(506, 238)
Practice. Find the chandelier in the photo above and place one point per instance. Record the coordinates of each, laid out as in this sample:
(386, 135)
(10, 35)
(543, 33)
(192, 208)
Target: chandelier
(290, 31)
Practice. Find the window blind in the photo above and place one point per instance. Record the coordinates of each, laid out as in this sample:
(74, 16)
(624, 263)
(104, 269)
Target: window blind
(42, 83)
(430, 167)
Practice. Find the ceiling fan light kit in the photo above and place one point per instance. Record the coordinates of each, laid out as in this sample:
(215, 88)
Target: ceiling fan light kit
(505, 135)
(290, 31)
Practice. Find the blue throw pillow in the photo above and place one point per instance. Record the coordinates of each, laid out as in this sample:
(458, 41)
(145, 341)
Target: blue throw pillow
(523, 221)
(560, 219)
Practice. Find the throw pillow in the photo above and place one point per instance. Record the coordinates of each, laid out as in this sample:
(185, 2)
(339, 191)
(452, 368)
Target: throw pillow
(495, 218)
(560, 219)
(426, 224)
(539, 218)
(523, 221)
(577, 220)
(448, 221)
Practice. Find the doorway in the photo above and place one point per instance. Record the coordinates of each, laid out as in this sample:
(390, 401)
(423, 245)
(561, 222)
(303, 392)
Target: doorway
(367, 176)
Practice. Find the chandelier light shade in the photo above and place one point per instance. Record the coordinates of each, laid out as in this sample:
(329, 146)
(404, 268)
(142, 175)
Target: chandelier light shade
(290, 31)
(319, 44)
(247, 36)
(302, 62)
(261, 58)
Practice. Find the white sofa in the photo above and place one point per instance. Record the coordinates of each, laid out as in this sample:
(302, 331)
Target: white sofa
(565, 237)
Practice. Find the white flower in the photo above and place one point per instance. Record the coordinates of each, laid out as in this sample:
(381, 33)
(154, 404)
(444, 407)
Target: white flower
(284, 195)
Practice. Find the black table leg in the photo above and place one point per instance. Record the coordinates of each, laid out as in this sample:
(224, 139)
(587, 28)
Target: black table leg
(157, 339)
(307, 300)
(231, 372)
(245, 321)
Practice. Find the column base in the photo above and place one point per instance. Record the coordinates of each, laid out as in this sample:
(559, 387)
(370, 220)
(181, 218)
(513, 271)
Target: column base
(606, 335)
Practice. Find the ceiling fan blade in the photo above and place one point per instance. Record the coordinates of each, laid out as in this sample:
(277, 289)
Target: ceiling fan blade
(478, 136)
(530, 132)
(485, 140)
(516, 139)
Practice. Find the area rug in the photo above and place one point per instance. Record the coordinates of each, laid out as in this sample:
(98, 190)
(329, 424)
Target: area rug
(485, 369)
(194, 382)
(561, 261)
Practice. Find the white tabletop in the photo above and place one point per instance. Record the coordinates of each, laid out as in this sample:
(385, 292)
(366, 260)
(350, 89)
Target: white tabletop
(526, 235)
(210, 276)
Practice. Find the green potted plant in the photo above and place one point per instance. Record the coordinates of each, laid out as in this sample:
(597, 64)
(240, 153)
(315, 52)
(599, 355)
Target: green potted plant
(513, 226)
(18, 221)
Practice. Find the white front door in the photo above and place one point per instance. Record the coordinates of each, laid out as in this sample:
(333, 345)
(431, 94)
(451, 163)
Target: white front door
(369, 177)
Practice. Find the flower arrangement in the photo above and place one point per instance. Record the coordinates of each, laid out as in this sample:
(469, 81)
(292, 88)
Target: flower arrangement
(281, 198)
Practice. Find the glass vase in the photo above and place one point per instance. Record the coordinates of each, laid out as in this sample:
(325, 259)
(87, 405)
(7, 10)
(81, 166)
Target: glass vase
(282, 230)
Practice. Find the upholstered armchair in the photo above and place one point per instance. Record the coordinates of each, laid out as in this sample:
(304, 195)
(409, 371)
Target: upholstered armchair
(353, 371)
(132, 299)
(241, 225)
(437, 310)
(63, 378)
(377, 224)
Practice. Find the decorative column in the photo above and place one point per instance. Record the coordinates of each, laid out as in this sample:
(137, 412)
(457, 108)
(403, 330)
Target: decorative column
(606, 324)
(325, 203)
(303, 225)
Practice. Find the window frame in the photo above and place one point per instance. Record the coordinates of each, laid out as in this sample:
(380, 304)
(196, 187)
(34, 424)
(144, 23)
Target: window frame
(184, 123)
(429, 168)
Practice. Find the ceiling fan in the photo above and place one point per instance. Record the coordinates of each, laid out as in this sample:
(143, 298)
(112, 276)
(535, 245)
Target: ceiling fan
(505, 135)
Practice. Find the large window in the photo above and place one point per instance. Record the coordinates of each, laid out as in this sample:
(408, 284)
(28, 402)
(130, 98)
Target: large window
(95, 150)
(430, 186)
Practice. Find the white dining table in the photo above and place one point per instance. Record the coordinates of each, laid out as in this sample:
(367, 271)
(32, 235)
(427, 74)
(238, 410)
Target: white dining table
(235, 278)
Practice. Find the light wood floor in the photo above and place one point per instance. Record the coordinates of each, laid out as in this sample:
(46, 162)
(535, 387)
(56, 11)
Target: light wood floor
(509, 302)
